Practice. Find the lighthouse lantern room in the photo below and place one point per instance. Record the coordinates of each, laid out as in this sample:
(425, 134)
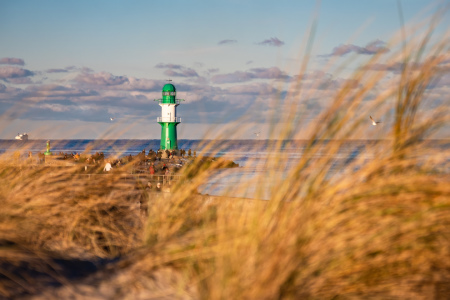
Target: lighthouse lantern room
(169, 119)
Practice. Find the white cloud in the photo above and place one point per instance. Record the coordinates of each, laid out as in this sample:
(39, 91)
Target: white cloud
(12, 61)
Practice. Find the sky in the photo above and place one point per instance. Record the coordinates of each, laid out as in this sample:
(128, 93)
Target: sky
(67, 67)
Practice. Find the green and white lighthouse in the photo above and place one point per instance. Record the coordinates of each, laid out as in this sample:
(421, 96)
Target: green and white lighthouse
(169, 119)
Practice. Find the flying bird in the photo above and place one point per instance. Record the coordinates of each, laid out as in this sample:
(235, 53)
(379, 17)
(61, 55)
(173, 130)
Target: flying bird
(374, 123)
(111, 118)
(256, 133)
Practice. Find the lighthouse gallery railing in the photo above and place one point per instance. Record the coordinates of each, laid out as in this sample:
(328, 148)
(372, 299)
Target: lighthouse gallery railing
(169, 119)
(177, 101)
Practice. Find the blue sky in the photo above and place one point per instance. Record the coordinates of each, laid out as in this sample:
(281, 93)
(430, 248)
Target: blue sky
(67, 66)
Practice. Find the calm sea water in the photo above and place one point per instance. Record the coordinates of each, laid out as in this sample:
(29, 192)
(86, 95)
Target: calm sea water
(248, 154)
(244, 152)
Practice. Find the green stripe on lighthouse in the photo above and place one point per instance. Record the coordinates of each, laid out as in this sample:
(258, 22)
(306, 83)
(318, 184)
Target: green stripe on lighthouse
(168, 136)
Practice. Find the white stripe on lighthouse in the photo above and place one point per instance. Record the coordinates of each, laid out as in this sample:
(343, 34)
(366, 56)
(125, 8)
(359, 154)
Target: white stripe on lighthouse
(168, 113)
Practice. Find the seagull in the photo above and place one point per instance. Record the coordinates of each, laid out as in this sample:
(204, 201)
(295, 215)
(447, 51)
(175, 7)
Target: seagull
(373, 121)
(256, 133)
(111, 118)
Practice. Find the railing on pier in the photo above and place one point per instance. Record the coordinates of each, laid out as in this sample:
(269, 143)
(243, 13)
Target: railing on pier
(143, 178)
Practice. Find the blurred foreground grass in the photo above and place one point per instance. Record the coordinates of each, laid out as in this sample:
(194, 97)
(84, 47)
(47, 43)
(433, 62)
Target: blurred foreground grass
(377, 229)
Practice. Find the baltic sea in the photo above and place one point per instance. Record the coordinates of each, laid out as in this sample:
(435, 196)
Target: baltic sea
(249, 154)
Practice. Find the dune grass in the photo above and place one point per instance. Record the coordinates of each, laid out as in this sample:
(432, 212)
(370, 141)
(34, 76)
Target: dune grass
(378, 229)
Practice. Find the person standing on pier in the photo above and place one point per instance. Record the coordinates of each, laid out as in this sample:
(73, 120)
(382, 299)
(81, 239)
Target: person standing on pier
(152, 170)
(107, 167)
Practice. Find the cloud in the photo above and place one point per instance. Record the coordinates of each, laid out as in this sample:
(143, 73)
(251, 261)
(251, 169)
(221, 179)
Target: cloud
(136, 84)
(66, 112)
(52, 92)
(94, 96)
(69, 69)
(237, 76)
(375, 47)
(84, 70)
(396, 67)
(183, 73)
(252, 89)
(371, 48)
(14, 72)
(226, 42)
(256, 73)
(323, 85)
(56, 107)
(99, 92)
(11, 61)
(100, 79)
(272, 42)
(20, 80)
(269, 73)
(57, 71)
(91, 97)
(10, 93)
(441, 82)
(206, 111)
(169, 66)
(104, 81)
(213, 70)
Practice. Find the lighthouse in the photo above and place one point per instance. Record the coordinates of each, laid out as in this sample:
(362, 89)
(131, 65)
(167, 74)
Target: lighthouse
(169, 119)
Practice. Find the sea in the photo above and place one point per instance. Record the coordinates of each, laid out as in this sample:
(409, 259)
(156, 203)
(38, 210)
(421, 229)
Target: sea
(248, 154)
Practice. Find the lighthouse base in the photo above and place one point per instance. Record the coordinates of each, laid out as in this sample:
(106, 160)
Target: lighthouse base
(169, 135)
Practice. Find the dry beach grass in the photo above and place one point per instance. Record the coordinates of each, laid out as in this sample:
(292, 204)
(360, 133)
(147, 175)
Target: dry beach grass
(375, 230)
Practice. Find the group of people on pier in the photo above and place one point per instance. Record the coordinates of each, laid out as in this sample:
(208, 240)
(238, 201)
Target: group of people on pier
(161, 154)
